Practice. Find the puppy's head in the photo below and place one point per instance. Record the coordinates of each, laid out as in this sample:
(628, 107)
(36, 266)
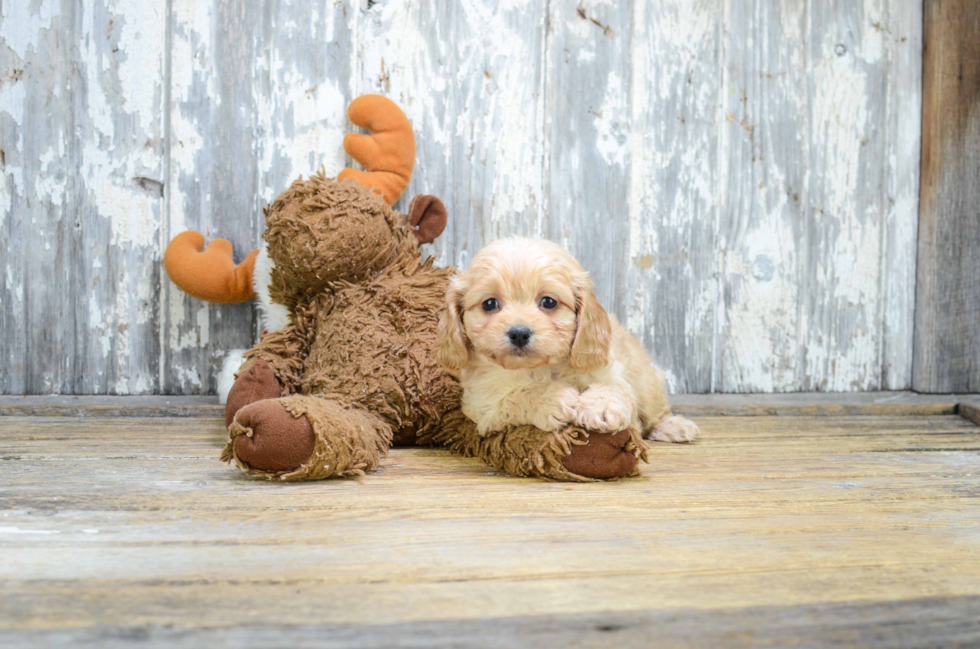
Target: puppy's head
(524, 303)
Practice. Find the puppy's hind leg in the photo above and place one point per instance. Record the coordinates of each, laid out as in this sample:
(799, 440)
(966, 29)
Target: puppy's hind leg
(674, 428)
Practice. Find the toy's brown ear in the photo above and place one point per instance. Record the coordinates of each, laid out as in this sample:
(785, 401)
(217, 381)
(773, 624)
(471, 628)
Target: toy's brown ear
(427, 216)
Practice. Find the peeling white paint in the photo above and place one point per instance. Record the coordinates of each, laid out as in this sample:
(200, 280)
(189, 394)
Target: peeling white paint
(189, 376)
(6, 198)
(96, 316)
(317, 111)
(131, 210)
(609, 123)
(141, 38)
(107, 172)
(409, 64)
(509, 129)
(203, 325)
(175, 313)
(16, 289)
(50, 184)
(763, 251)
(12, 97)
(191, 59)
(840, 115)
(24, 23)
(674, 187)
(122, 337)
(842, 343)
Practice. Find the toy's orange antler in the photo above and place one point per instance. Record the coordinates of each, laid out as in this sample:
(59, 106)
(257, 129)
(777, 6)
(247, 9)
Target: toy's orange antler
(209, 274)
(388, 153)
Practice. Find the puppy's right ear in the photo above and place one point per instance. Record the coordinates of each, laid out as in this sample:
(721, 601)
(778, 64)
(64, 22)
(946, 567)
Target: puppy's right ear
(452, 347)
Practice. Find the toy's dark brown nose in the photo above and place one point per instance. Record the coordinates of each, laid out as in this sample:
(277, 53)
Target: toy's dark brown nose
(519, 336)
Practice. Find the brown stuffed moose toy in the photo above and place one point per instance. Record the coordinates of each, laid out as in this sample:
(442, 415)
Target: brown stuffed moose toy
(355, 370)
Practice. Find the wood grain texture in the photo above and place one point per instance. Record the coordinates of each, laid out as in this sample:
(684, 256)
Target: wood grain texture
(259, 95)
(81, 123)
(118, 120)
(765, 134)
(844, 203)
(900, 186)
(587, 131)
(36, 147)
(922, 622)
(670, 288)
(947, 316)
(740, 178)
(212, 184)
(818, 229)
(767, 529)
(794, 404)
(970, 410)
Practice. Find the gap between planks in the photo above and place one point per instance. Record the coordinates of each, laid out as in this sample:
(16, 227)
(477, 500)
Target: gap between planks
(691, 405)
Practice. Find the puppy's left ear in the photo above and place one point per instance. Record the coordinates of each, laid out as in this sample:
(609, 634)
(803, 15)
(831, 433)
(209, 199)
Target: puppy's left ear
(452, 346)
(593, 331)
(427, 217)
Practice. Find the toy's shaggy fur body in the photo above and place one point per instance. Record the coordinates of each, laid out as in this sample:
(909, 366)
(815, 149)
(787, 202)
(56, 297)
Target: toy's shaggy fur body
(367, 346)
(355, 369)
(355, 358)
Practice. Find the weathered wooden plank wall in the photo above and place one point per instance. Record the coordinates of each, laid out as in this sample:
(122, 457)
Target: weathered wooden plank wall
(947, 318)
(81, 202)
(741, 178)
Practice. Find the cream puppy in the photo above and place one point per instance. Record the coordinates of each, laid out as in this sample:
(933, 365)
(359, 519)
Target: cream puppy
(531, 345)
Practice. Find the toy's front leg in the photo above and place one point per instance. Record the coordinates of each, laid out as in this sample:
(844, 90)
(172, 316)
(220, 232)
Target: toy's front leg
(604, 456)
(567, 454)
(303, 437)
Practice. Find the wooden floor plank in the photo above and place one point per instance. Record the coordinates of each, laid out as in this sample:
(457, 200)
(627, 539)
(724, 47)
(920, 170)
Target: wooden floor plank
(693, 405)
(119, 528)
(942, 621)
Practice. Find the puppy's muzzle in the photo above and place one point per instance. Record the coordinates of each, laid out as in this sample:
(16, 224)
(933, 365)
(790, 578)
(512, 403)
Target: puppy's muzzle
(519, 336)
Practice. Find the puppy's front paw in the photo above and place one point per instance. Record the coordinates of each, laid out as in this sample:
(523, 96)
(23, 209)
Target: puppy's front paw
(603, 410)
(675, 429)
(561, 412)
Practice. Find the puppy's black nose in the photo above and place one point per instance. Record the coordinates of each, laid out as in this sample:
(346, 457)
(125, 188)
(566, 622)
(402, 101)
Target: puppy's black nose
(519, 336)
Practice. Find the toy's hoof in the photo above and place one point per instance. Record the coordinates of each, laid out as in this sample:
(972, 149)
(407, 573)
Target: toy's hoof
(604, 457)
(256, 383)
(277, 442)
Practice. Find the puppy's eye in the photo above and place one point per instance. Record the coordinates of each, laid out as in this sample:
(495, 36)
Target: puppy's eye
(548, 303)
(490, 305)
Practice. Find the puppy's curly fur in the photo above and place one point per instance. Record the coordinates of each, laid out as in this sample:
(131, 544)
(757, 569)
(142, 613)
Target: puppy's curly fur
(532, 345)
